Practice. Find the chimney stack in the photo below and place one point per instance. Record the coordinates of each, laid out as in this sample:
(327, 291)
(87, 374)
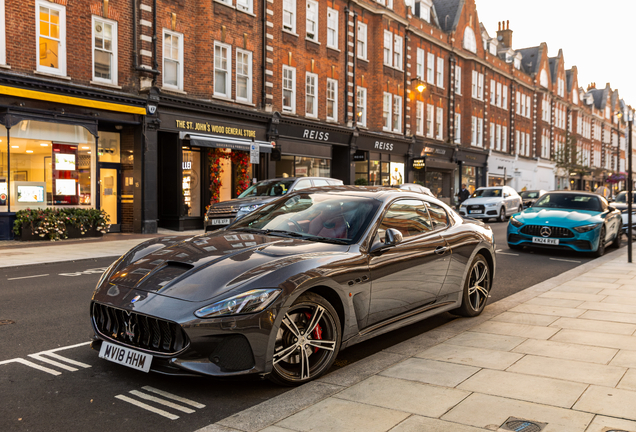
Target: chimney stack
(504, 34)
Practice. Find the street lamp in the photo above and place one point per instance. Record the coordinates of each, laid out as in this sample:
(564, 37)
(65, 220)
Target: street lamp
(420, 86)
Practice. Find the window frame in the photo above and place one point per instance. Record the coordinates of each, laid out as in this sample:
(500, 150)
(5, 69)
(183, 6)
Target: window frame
(430, 68)
(439, 123)
(387, 52)
(397, 116)
(362, 41)
(386, 119)
(440, 72)
(458, 80)
(179, 85)
(420, 64)
(419, 118)
(113, 64)
(292, 13)
(361, 120)
(61, 70)
(250, 6)
(250, 78)
(398, 51)
(228, 72)
(314, 94)
(430, 121)
(458, 128)
(333, 82)
(312, 3)
(333, 44)
(291, 108)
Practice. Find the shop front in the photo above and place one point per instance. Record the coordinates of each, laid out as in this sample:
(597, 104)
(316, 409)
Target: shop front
(380, 160)
(311, 150)
(545, 178)
(434, 166)
(473, 168)
(500, 169)
(525, 173)
(204, 159)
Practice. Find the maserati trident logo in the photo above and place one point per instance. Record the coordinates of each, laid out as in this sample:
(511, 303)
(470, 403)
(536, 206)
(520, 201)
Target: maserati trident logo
(130, 328)
(545, 231)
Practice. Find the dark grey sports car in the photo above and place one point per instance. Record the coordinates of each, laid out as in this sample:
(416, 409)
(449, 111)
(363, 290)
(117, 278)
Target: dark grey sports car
(282, 291)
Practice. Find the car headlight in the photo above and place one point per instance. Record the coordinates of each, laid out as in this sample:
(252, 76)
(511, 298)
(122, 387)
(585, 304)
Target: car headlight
(490, 205)
(249, 208)
(515, 223)
(248, 302)
(586, 228)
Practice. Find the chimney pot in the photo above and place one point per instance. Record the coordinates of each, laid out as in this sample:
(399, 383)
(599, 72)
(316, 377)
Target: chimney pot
(508, 25)
(499, 26)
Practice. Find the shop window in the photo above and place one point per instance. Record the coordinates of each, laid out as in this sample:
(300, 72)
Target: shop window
(362, 173)
(104, 50)
(397, 173)
(191, 183)
(172, 60)
(51, 41)
(222, 70)
(297, 166)
(109, 147)
(243, 75)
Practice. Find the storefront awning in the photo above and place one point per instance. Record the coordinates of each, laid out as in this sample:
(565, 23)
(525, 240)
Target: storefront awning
(214, 141)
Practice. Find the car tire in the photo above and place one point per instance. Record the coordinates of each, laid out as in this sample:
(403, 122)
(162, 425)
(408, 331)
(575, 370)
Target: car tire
(299, 357)
(600, 251)
(502, 215)
(520, 209)
(476, 288)
(618, 240)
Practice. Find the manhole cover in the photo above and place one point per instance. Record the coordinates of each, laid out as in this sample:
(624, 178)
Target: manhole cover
(5, 322)
(520, 425)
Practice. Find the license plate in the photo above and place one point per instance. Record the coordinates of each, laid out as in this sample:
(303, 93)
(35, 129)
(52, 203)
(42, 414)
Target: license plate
(542, 240)
(125, 356)
(475, 212)
(220, 222)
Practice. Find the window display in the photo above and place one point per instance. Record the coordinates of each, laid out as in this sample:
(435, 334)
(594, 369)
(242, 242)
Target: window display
(30, 193)
(64, 162)
(297, 166)
(65, 187)
(191, 165)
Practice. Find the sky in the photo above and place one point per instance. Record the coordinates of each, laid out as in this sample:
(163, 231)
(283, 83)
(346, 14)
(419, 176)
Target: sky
(592, 34)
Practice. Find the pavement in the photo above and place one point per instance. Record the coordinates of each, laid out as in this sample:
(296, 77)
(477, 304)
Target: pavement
(559, 356)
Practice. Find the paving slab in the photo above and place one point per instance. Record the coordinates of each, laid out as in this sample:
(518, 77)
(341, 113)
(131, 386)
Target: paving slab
(478, 357)
(430, 372)
(542, 301)
(359, 371)
(548, 391)
(524, 318)
(625, 358)
(423, 424)
(512, 329)
(594, 325)
(268, 429)
(570, 370)
(567, 351)
(576, 288)
(418, 343)
(408, 396)
(548, 310)
(608, 401)
(629, 380)
(610, 316)
(621, 293)
(573, 296)
(601, 278)
(609, 307)
(596, 339)
(487, 341)
(339, 415)
(604, 424)
(486, 411)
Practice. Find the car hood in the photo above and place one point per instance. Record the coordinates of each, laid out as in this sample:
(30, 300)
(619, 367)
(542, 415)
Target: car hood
(558, 217)
(240, 202)
(482, 200)
(206, 266)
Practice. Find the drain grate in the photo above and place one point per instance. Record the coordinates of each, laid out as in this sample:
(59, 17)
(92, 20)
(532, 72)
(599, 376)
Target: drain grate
(5, 322)
(521, 425)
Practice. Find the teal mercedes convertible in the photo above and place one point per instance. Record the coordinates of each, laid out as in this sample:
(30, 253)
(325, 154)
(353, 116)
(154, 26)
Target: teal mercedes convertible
(579, 221)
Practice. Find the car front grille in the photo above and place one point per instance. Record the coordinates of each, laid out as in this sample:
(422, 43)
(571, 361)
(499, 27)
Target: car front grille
(555, 232)
(139, 331)
(222, 210)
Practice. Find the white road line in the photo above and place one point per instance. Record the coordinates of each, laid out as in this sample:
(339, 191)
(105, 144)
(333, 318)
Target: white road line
(558, 259)
(66, 347)
(147, 407)
(175, 397)
(28, 277)
(162, 402)
(505, 253)
(33, 365)
(53, 362)
(73, 362)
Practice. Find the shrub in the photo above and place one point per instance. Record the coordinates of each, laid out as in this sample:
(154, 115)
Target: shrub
(54, 223)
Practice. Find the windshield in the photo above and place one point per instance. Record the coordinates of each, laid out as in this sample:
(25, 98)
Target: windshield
(268, 188)
(570, 201)
(314, 216)
(486, 193)
(530, 194)
(622, 197)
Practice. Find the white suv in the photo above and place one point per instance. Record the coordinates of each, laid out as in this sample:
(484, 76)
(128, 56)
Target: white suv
(498, 202)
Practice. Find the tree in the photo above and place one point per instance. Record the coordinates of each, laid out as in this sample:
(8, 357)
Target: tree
(570, 158)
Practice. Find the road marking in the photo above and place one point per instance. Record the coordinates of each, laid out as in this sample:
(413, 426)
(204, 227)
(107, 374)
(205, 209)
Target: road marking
(28, 277)
(161, 401)
(558, 259)
(99, 270)
(147, 407)
(175, 397)
(51, 353)
(31, 364)
(52, 362)
(505, 253)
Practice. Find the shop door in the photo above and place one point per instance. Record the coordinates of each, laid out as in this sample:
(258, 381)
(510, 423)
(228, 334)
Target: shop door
(109, 196)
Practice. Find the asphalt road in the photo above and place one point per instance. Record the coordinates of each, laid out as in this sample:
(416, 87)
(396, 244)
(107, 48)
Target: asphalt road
(50, 380)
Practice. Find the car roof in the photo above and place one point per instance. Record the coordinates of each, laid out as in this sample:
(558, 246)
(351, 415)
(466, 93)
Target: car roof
(383, 193)
(298, 178)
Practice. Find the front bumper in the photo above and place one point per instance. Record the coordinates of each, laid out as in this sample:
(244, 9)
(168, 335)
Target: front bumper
(581, 242)
(488, 212)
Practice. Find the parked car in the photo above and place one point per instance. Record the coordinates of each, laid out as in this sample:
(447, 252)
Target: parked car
(498, 202)
(529, 197)
(414, 187)
(579, 221)
(222, 214)
(280, 292)
(620, 203)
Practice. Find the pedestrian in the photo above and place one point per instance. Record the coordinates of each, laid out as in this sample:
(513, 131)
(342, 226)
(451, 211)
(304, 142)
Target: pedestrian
(463, 194)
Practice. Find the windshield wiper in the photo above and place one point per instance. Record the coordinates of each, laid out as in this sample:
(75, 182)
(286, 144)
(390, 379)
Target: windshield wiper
(325, 239)
(283, 232)
(252, 230)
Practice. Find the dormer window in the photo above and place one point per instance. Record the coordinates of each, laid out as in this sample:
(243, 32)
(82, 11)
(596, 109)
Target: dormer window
(607, 112)
(543, 78)
(470, 43)
(518, 62)
(422, 10)
(575, 97)
(492, 48)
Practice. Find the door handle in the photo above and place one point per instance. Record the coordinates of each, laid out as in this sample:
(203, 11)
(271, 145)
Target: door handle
(441, 250)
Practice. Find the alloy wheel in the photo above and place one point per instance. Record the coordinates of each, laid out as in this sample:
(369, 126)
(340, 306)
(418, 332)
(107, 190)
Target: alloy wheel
(478, 283)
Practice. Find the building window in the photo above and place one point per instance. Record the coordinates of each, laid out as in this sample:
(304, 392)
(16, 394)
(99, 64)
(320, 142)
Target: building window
(543, 78)
(104, 50)
(51, 41)
(387, 3)
(388, 48)
(423, 10)
(439, 122)
(312, 20)
(478, 85)
(499, 92)
(458, 128)
(528, 106)
(243, 75)
(311, 99)
(430, 117)
(362, 41)
(458, 80)
(386, 112)
(419, 118)
(498, 138)
(222, 70)
(397, 52)
(505, 98)
(420, 63)
(172, 60)
(332, 99)
(492, 136)
(289, 89)
(289, 15)
(362, 106)
(440, 72)
(397, 114)
(332, 28)
(245, 5)
(477, 127)
(3, 36)
(493, 93)
(473, 131)
(430, 68)
(470, 43)
(504, 139)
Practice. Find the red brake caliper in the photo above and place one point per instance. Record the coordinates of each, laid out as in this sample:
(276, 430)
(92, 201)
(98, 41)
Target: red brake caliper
(317, 333)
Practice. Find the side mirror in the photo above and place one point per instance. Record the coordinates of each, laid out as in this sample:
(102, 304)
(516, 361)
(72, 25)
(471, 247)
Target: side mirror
(611, 209)
(392, 237)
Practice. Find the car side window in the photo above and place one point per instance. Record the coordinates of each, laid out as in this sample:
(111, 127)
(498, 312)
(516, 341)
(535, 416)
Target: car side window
(320, 182)
(302, 184)
(438, 216)
(334, 182)
(409, 217)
